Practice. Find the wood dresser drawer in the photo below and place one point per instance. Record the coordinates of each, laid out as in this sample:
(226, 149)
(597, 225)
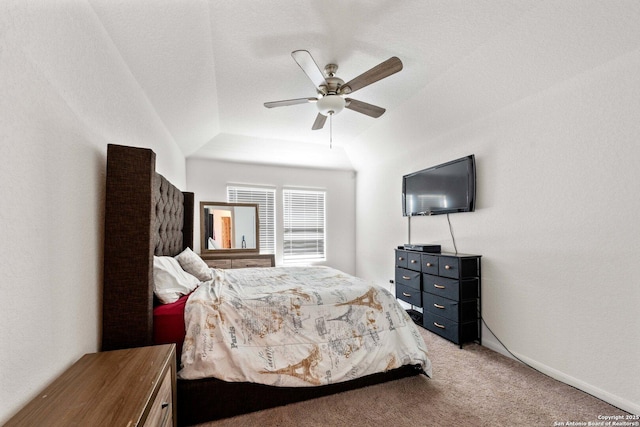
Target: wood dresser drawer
(218, 263)
(161, 412)
(240, 260)
(250, 262)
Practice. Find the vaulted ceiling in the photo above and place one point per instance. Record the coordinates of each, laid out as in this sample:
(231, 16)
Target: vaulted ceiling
(208, 66)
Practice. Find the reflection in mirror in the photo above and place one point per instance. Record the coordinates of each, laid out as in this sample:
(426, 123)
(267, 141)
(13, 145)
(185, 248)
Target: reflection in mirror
(228, 227)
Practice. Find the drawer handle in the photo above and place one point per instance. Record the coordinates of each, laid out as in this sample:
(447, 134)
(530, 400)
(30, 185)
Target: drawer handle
(429, 264)
(441, 307)
(406, 295)
(400, 258)
(406, 277)
(438, 325)
(413, 261)
(435, 285)
(447, 267)
(165, 417)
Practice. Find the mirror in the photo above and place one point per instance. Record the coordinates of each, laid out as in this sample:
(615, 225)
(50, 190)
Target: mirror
(228, 227)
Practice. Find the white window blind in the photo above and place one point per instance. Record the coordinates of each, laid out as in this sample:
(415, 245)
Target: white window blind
(265, 198)
(304, 225)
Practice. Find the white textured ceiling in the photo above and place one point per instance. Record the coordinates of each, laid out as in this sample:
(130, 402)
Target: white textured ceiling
(207, 66)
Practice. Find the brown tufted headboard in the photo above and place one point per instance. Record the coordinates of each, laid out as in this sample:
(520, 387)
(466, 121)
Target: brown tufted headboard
(145, 215)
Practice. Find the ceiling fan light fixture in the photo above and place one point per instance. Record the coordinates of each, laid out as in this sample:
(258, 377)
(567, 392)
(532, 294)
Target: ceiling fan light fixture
(331, 104)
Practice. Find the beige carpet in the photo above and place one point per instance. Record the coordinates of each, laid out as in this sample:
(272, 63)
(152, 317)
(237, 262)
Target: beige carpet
(474, 386)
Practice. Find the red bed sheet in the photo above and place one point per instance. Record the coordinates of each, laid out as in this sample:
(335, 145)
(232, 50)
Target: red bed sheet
(168, 324)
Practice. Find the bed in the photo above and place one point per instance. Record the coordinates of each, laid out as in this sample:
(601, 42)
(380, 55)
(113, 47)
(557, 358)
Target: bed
(146, 219)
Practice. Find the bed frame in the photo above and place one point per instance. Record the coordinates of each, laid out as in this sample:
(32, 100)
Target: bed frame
(145, 215)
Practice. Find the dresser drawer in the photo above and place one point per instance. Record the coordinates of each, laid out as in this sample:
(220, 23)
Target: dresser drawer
(430, 264)
(453, 331)
(459, 290)
(441, 286)
(218, 263)
(250, 262)
(449, 267)
(408, 294)
(440, 325)
(408, 278)
(458, 267)
(413, 261)
(161, 412)
(458, 311)
(402, 259)
(444, 307)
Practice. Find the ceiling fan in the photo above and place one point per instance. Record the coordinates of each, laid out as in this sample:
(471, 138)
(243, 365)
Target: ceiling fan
(331, 90)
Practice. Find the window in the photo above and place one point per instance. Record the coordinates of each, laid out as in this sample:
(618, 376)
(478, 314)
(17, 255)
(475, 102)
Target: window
(304, 225)
(265, 198)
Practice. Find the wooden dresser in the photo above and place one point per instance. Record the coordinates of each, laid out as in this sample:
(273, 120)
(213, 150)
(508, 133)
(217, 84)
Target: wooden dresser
(132, 387)
(240, 260)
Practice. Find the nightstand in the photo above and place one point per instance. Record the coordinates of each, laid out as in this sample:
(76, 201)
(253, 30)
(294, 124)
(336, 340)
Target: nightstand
(131, 387)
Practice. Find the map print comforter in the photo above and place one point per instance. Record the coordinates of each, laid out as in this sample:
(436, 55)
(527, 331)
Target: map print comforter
(296, 327)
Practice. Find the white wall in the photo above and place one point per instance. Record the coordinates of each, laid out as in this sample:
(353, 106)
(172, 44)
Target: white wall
(208, 179)
(558, 182)
(64, 95)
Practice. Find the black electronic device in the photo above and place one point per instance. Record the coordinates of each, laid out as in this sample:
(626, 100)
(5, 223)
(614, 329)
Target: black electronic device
(445, 188)
(422, 247)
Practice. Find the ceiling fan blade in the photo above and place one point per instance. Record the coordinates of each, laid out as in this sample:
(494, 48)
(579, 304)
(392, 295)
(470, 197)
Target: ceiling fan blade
(319, 123)
(289, 102)
(364, 108)
(309, 66)
(379, 72)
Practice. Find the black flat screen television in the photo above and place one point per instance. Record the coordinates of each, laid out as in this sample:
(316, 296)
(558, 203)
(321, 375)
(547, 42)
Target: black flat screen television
(445, 188)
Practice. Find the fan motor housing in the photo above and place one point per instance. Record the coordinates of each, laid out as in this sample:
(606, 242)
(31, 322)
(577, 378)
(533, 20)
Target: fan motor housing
(333, 85)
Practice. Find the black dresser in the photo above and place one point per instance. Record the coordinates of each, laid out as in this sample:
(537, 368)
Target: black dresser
(447, 287)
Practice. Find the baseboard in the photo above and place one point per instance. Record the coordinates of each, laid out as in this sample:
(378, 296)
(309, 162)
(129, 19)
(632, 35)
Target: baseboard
(605, 396)
(490, 341)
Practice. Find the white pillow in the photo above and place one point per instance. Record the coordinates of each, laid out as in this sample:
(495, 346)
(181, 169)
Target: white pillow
(170, 281)
(194, 265)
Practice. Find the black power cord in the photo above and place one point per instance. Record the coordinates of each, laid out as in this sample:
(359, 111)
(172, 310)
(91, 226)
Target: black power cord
(539, 371)
(452, 236)
(505, 347)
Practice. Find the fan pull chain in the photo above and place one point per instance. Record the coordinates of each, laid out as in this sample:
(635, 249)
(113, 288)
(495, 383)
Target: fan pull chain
(330, 131)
